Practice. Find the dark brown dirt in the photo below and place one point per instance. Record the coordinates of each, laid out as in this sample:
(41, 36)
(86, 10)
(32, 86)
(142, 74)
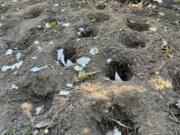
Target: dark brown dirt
(145, 52)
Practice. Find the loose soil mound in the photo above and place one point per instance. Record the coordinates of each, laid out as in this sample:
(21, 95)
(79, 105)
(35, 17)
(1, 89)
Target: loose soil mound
(142, 46)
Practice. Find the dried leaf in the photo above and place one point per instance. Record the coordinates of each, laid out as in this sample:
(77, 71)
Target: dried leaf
(27, 109)
(138, 5)
(83, 75)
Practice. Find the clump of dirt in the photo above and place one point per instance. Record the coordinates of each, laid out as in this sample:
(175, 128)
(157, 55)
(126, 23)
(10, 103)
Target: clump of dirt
(33, 14)
(137, 23)
(39, 90)
(37, 86)
(98, 17)
(26, 42)
(36, 91)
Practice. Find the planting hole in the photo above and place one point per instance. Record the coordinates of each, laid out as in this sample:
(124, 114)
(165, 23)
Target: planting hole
(174, 108)
(66, 55)
(132, 41)
(110, 119)
(86, 31)
(175, 80)
(123, 70)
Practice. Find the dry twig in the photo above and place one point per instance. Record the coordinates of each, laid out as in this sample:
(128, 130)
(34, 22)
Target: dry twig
(120, 124)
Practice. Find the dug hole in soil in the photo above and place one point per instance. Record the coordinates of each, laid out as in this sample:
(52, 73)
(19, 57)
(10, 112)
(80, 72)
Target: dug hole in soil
(129, 83)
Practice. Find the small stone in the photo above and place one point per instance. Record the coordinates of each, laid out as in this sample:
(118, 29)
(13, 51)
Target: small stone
(64, 93)
(36, 42)
(69, 85)
(14, 87)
